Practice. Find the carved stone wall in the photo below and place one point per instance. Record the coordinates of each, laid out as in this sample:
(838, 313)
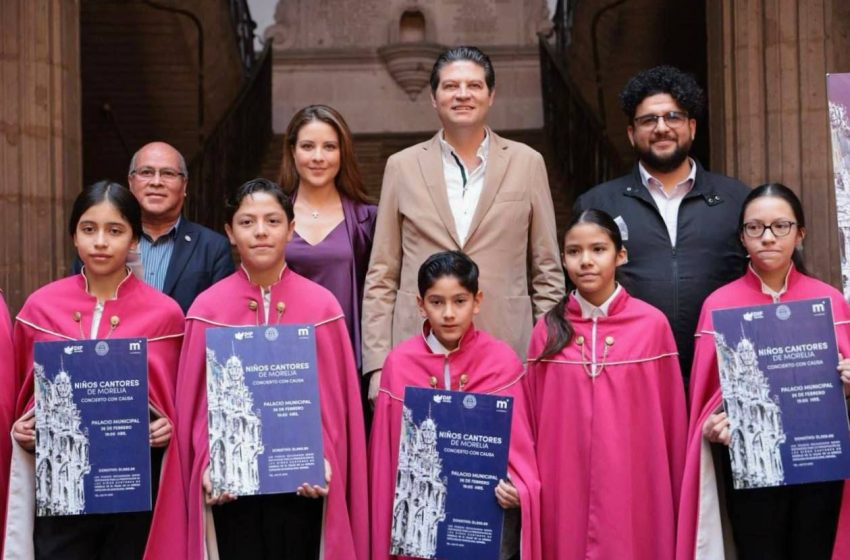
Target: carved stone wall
(327, 51)
(767, 92)
(39, 140)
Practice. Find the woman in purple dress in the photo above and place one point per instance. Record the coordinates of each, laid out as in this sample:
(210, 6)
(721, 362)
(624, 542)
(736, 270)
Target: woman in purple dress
(334, 218)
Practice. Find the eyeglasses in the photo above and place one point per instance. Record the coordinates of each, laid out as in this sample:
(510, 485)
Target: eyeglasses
(673, 119)
(778, 229)
(166, 173)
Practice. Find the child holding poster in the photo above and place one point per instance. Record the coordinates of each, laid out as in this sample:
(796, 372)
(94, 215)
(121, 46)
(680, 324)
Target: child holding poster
(795, 521)
(452, 354)
(330, 519)
(608, 408)
(104, 301)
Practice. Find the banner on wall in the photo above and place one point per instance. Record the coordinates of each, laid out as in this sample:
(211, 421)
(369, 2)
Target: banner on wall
(838, 95)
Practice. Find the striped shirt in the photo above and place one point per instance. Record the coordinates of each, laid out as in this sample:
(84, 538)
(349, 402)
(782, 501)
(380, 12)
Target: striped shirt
(156, 255)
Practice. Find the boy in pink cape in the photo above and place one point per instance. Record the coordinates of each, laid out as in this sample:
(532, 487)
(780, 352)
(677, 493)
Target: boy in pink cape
(104, 301)
(608, 410)
(451, 354)
(265, 291)
(706, 528)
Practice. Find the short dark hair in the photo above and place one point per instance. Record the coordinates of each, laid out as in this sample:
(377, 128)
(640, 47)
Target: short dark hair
(448, 263)
(258, 186)
(456, 54)
(681, 86)
(116, 194)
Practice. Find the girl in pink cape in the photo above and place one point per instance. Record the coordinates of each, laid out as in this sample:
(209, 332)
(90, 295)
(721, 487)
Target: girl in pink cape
(328, 521)
(787, 522)
(451, 354)
(608, 410)
(104, 301)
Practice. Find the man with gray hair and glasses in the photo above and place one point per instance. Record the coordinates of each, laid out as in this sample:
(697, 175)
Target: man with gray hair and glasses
(179, 257)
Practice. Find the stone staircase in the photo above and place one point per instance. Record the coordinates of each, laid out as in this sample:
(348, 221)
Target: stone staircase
(373, 150)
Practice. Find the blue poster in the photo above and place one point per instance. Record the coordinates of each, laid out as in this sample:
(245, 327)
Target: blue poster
(453, 450)
(92, 452)
(265, 425)
(782, 393)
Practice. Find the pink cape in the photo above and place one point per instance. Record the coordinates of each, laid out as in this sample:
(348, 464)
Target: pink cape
(491, 367)
(701, 519)
(610, 449)
(7, 405)
(229, 303)
(48, 314)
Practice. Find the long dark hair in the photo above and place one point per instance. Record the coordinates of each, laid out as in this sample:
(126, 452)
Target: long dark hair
(778, 190)
(348, 181)
(559, 330)
(117, 195)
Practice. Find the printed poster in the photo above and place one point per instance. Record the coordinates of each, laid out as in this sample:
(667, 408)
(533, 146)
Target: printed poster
(92, 452)
(265, 426)
(453, 450)
(782, 393)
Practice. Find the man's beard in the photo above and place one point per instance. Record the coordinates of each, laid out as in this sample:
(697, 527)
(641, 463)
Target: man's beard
(665, 163)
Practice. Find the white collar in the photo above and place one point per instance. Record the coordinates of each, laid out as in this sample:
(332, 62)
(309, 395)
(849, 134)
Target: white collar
(645, 176)
(590, 311)
(435, 345)
(483, 148)
(767, 290)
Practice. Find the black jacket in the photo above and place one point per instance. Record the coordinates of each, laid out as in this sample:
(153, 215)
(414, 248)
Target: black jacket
(708, 252)
(201, 258)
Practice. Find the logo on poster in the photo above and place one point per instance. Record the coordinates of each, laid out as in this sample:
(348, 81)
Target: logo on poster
(101, 348)
(304, 331)
(243, 335)
(469, 401)
(753, 315)
(73, 350)
(501, 405)
(135, 347)
(443, 399)
(271, 334)
(783, 312)
(818, 308)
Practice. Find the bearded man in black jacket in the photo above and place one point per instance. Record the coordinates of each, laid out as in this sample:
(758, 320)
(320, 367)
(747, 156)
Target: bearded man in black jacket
(679, 222)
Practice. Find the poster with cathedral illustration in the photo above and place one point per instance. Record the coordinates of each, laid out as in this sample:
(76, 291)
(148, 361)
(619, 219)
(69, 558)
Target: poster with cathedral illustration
(782, 393)
(265, 426)
(453, 450)
(92, 452)
(838, 93)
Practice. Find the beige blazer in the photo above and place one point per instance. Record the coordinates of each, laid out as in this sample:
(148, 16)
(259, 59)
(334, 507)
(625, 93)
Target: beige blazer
(512, 238)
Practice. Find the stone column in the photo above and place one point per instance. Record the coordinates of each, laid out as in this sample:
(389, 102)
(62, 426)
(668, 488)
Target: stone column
(40, 158)
(767, 65)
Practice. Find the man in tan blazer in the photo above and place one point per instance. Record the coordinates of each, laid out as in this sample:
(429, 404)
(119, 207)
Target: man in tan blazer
(464, 189)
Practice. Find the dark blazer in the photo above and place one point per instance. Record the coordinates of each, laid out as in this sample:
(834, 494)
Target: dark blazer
(201, 258)
(708, 252)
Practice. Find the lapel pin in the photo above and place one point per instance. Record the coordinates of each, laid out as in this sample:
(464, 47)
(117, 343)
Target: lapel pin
(187, 238)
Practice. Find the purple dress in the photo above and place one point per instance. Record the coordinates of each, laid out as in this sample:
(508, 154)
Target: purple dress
(339, 262)
(330, 263)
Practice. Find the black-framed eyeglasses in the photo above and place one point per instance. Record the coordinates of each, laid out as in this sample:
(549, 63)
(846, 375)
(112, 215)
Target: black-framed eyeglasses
(673, 119)
(778, 229)
(166, 173)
